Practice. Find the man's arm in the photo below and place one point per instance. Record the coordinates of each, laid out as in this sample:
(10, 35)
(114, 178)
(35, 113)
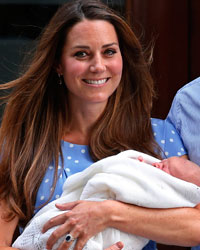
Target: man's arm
(173, 226)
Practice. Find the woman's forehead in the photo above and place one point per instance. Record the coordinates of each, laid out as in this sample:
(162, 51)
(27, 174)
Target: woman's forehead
(91, 31)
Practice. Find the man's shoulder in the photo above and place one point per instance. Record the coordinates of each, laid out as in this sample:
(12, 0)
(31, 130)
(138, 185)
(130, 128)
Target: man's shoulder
(190, 88)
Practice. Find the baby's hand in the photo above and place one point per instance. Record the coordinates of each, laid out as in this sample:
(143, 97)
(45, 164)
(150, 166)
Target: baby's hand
(141, 159)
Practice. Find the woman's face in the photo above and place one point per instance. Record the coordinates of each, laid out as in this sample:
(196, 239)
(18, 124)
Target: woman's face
(91, 62)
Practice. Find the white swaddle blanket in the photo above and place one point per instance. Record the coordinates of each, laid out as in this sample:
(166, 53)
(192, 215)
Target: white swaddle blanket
(121, 177)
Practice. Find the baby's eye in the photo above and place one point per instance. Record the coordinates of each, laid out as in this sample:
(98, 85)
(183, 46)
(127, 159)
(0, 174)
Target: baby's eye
(110, 52)
(80, 54)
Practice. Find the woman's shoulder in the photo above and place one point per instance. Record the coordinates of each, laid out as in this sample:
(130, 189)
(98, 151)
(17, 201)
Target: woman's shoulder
(167, 137)
(163, 126)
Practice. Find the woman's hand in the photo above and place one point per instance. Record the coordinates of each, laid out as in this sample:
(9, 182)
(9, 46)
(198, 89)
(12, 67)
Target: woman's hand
(83, 220)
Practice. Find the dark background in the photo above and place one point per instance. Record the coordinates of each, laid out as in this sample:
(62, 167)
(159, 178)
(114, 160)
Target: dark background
(172, 24)
(175, 26)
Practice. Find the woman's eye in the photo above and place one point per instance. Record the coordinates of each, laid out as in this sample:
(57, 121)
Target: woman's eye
(110, 52)
(80, 54)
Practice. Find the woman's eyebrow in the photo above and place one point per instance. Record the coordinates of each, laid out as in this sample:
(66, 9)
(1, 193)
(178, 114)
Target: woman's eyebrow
(88, 47)
(81, 47)
(110, 44)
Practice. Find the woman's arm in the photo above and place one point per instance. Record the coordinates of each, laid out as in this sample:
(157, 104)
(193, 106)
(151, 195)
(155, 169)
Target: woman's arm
(7, 228)
(175, 226)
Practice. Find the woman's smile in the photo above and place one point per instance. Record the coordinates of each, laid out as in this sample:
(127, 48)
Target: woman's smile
(99, 82)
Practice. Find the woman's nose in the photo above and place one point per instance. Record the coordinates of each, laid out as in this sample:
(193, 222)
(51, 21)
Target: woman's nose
(97, 65)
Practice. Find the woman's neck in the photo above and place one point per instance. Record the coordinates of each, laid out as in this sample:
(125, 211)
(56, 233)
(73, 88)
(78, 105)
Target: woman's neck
(81, 123)
(76, 138)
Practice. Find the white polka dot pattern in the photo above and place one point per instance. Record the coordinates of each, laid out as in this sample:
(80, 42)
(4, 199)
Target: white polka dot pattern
(42, 198)
(76, 159)
(168, 138)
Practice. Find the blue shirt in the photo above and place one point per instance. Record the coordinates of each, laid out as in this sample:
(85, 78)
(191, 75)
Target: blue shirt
(77, 158)
(185, 115)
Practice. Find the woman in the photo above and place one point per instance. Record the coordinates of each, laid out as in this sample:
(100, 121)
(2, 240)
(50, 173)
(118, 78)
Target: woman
(86, 94)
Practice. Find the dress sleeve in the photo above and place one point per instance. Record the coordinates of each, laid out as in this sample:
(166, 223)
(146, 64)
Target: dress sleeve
(168, 138)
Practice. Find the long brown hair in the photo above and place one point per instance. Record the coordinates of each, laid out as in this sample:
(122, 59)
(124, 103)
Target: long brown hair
(37, 112)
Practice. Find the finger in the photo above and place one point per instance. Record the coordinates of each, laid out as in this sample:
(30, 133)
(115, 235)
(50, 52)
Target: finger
(57, 234)
(140, 158)
(80, 243)
(67, 206)
(65, 245)
(117, 246)
(55, 221)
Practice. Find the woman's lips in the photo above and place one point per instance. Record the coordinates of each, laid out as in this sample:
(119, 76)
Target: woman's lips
(96, 82)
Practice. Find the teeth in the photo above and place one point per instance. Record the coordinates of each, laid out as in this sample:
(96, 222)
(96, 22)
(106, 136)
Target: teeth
(96, 81)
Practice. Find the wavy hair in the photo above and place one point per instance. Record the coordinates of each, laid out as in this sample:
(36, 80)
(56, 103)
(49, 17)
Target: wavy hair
(37, 113)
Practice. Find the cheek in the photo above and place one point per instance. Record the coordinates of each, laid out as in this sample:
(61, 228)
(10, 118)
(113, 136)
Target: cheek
(73, 68)
(117, 66)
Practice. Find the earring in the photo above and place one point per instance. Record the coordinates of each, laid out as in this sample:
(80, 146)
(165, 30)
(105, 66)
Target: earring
(59, 79)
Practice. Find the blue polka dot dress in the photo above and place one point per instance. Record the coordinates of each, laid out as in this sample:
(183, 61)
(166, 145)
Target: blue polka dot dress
(77, 158)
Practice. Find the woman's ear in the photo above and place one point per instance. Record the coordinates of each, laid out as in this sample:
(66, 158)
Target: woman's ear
(58, 68)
